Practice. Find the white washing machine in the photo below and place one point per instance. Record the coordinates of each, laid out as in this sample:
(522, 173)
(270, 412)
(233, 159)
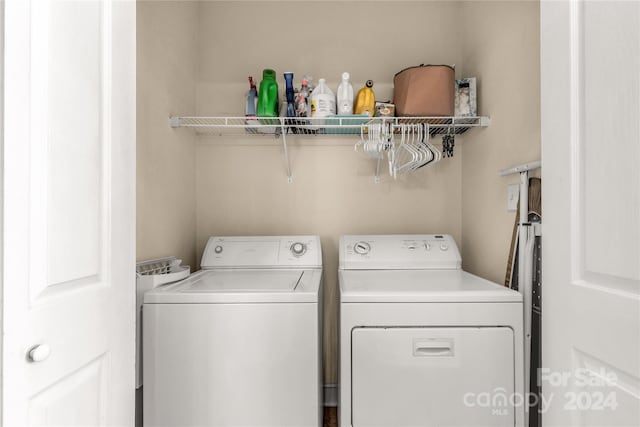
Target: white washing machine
(238, 343)
(423, 343)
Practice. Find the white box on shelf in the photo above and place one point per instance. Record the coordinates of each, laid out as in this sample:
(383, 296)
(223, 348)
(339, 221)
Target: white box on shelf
(465, 99)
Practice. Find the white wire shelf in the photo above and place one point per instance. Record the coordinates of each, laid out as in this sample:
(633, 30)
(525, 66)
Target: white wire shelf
(285, 127)
(335, 125)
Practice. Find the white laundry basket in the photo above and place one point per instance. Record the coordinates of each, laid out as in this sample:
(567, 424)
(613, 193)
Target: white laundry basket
(151, 274)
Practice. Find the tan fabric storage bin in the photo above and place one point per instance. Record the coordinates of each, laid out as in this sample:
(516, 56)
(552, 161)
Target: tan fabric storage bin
(424, 90)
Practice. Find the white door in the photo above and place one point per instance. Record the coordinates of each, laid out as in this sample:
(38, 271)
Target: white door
(591, 206)
(69, 209)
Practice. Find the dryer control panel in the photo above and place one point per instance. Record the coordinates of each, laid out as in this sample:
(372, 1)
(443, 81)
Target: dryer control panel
(262, 252)
(400, 251)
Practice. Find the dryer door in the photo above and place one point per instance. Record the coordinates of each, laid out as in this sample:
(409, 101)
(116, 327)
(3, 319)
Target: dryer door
(439, 376)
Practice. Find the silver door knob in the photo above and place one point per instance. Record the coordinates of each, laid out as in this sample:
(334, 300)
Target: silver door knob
(39, 353)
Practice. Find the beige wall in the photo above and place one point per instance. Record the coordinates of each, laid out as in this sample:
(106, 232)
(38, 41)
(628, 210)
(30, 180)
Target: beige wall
(196, 58)
(502, 49)
(166, 62)
(242, 189)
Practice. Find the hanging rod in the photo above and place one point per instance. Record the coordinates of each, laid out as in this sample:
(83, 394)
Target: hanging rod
(520, 168)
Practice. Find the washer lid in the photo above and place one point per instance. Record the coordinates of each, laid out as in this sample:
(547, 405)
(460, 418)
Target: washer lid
(240, 286)
(420, 286)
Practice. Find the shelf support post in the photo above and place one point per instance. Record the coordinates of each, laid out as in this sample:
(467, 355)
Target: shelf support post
(283, 131)
(376, 178)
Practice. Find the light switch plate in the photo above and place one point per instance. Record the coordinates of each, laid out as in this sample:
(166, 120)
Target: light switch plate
(512, 197)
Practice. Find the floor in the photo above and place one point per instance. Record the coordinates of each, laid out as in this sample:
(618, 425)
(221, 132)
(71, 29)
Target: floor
(331, 417)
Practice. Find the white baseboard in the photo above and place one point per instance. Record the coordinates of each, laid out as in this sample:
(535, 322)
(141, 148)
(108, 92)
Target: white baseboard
(331, 395)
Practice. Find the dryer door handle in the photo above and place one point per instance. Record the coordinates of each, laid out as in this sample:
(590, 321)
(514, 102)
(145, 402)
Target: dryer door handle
(433, 348)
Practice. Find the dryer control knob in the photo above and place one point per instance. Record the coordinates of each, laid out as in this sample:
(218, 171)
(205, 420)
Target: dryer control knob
(298, 249)
(427, 246)
(362, 248)
(444, 247)
(218, 249)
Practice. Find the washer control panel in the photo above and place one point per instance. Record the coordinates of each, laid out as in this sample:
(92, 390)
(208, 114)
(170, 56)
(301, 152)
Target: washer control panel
(262, 252)
(381, 252)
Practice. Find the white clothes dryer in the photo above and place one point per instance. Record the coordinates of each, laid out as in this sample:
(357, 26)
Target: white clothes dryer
(423, 343)
(238, 343)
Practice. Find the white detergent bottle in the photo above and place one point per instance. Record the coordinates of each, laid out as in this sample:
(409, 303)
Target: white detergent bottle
(323, 101)
(345, 96)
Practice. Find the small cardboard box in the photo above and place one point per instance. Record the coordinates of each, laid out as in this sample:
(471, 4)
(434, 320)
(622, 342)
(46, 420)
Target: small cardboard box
(425, 90)
(385, 109)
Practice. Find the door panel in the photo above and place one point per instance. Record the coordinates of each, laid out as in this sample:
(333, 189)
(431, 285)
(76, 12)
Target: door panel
(77, 399)
(608, 185)
(75, 147)
(624, 389)
(591, 199)
(69, 240)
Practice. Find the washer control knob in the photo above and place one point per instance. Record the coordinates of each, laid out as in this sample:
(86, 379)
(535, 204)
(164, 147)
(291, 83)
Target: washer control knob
(427, 246)
(444, 247)
(218, 249)
(298, 249)
(362, 248)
